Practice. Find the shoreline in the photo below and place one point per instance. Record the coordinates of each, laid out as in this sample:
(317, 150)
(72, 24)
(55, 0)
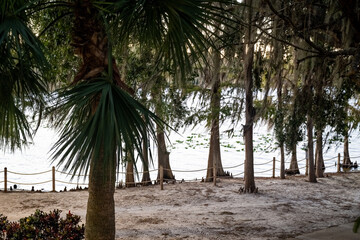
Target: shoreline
(283, 208)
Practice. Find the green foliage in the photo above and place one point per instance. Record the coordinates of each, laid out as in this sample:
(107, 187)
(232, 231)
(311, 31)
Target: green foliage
(41, 225)
(98, 118)
(21, 65)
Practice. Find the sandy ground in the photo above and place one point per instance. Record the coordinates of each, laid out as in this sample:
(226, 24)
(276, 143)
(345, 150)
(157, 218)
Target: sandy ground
(281, 209)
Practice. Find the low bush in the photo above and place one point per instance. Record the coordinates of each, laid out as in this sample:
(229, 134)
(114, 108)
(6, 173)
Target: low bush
(42, 226)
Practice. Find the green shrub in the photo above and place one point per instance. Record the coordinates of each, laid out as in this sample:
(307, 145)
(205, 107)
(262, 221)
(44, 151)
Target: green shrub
(41, 225)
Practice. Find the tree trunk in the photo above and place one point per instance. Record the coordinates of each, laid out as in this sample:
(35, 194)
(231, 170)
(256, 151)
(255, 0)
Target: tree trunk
(130, 178)
(100, 214)
(346, 161)
(163, 156)
(146, 174)
(214, 151)
(311, 176)
(249, 109)
(319, 155)
(294, 167)
(280, 125)
(282, 161)
(90, 44)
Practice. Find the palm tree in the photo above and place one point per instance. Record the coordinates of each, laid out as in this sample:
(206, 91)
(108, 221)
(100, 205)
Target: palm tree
(97, 114)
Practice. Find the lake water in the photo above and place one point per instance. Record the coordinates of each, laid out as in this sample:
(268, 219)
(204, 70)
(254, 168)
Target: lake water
(189, 152)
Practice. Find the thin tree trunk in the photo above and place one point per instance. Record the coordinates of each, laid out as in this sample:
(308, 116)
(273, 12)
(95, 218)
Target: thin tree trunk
(130, 178)
(294, 167)
(214, 154)
(163, 156)
(146, 174)
(311, 176)
(319, 155)
(249, 109)
(282, 161)
(280, 126)
(346, 161)
(214, 151)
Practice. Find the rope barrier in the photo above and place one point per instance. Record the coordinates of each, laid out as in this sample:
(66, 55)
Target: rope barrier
(234, 166)
(154, 170)
(264, 171)
(330, 159)
(30, 183)
(139, 172)
(70, 173)
(29, 173)
(263, 163)
(238, 174)
(200, 170)
(71, 182)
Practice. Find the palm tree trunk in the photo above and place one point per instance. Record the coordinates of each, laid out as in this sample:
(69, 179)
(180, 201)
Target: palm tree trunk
(90, 42)
(100, 214)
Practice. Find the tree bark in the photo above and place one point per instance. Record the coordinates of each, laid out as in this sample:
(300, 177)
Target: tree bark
(163, 156)
(214, 154)
(294, 167)
(90, 44)
(146, 174)
(130, 178)
(281, 126)
(249, 109)
(346, 161)
(311, 176)
(100, 214)
(319, 155)
(214, 151)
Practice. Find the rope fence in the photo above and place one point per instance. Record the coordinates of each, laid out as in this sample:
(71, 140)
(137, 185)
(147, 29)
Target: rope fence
(160, 171)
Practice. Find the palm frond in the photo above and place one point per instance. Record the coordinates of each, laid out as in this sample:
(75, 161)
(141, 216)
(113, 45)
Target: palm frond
(179, 30)
(21, 83)
(14, 127)
(98, 118)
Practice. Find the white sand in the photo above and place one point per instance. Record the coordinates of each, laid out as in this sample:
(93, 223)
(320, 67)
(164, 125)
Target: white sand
(281, 209)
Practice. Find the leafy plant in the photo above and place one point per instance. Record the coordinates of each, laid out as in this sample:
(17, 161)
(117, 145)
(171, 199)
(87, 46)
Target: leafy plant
(41, 225)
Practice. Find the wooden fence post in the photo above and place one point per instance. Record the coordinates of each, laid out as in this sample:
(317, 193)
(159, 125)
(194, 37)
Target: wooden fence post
(338, 163)
(274, 159)
(161, 177)
(5, 179)
(53, 179)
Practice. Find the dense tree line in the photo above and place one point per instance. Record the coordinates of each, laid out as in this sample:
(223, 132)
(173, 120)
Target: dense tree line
(110, 61)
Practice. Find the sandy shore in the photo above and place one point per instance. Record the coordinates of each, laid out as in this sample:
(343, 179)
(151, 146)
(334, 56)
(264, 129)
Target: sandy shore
(281, 209)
